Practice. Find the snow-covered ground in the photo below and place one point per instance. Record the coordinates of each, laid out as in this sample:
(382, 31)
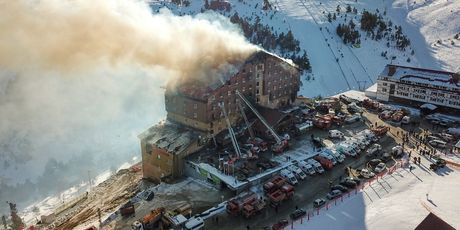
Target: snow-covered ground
(398, 201)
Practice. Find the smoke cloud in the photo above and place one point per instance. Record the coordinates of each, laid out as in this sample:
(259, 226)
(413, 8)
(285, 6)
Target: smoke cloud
(82, 78)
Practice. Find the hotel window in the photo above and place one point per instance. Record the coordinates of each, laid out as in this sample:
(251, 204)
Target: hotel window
(195, 115)
(195, 106)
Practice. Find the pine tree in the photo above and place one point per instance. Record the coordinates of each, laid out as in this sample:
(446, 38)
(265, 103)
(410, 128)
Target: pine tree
(338, 9)
(329, 17)
(206, 4)
(348, 8)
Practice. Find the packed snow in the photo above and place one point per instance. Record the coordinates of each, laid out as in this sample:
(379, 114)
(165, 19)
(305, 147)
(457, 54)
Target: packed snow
(402, 200)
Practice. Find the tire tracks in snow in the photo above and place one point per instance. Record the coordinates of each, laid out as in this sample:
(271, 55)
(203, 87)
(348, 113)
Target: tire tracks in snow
(277, 3)
(326, 10)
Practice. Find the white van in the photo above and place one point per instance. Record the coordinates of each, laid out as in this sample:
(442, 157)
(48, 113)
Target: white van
(289, 176)
(346, 149)
(337, 156)
(297, 172)
(335, 134)
(307, 168)
(316, 165)
(194, 223)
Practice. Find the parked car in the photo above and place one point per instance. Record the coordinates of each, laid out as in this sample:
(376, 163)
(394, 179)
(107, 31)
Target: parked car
(349, 184)
(297, 172)
(374, 162)
(338, 156)
(333, 194)
(397, 151)
(281, 224)
(297, 214)
(374, 150)
(352, 119)
(380, 167)
(319, 202)
(150, 196)
(307, 168)
(316, 165)
(289, 176)
(365, 173)
(339, 187)
(439, 162)
(356, 180)
(329, 157)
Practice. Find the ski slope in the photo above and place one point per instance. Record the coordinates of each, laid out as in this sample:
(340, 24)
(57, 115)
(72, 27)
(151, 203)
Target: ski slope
(337, 67)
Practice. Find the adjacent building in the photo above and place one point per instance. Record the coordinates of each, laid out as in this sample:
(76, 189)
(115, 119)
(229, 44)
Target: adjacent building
(417, 86)
(194, 113)
(163, 148)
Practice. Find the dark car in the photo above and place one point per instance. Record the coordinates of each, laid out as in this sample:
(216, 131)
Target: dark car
(440, 163)
(298, 213)
(374, 162)
(150, 196)
(349, 183)
(280, 224)
(339, 187)
(333, 194)
(356, 180)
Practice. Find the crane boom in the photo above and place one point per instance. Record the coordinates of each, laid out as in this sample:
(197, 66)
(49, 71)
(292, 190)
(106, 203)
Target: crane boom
(230, 131)
(251, 132)
(262, 119)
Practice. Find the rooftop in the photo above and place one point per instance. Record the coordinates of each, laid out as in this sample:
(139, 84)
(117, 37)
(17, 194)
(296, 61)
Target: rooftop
(422, 76)
(169, 136)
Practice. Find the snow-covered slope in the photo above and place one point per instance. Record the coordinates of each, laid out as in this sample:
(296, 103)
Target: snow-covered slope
(399, 201)
(430, 21)
(337, 67)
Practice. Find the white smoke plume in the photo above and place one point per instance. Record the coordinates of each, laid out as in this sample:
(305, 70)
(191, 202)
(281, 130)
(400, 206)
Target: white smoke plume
(81, 78)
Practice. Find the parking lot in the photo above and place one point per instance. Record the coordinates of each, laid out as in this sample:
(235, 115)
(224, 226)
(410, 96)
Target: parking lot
(312, 187)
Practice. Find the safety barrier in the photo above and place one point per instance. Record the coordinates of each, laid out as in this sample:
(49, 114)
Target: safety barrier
(316, 211)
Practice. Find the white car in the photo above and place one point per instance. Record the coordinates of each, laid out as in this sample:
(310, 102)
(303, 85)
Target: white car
(307, 168)
(289, 176)
(338, 157)
(380, 168)
(366, 173)
(316, 165)
(297, 171)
